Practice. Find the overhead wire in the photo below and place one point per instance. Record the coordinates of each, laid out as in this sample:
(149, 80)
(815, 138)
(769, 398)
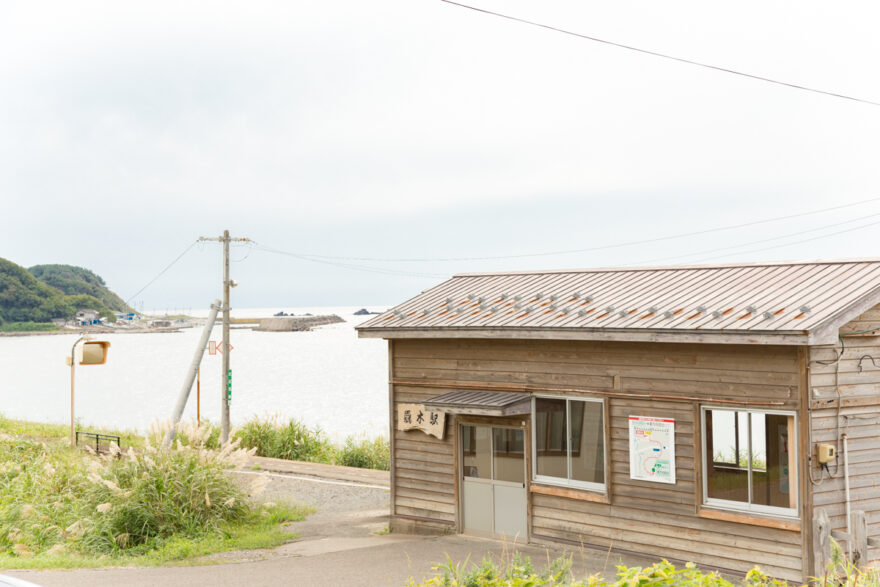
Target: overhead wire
(352, 266)
(771, 239)
(586, 249)
(667, 56)
(806, 240)
(162, 272)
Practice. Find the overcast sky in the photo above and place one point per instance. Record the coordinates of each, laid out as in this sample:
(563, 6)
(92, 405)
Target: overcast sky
(418, 129)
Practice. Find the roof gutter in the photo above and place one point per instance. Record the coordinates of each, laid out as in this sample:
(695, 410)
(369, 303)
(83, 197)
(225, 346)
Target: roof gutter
(791, 337)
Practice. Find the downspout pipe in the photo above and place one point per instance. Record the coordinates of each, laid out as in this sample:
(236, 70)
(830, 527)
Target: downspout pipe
(847, 497)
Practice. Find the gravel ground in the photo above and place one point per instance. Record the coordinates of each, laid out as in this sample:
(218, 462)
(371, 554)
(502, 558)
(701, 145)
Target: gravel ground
(343, 509)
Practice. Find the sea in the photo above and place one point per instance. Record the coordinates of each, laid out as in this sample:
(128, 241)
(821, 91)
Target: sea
(327, 378)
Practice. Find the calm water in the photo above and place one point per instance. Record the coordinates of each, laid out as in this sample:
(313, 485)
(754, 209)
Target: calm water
(327, 377)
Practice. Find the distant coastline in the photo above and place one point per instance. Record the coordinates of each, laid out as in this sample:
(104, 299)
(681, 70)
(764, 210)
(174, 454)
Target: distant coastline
(96, 330)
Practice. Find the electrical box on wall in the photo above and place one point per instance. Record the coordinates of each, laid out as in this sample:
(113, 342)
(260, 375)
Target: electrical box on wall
(825, 453)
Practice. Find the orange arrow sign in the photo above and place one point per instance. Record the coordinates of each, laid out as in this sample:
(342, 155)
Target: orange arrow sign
(215, 347)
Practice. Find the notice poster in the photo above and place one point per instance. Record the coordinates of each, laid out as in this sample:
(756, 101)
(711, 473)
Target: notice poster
(652, 449)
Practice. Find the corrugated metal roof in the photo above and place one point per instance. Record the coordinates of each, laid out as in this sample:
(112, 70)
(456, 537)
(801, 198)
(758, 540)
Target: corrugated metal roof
(769, 298)
(486, 402)
(478, 399)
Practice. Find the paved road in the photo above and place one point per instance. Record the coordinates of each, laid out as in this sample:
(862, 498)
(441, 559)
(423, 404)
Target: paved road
(339, 544)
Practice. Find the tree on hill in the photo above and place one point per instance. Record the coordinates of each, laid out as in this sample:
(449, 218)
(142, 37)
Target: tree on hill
(23, 298)
(74, 280)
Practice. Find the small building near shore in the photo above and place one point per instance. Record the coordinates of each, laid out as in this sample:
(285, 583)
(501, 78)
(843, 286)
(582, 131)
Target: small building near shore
(675, 412)
(87, 317)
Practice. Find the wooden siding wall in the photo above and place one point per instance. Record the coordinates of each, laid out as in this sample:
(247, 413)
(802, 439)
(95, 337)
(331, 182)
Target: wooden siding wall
(651, 518)
(858, 418)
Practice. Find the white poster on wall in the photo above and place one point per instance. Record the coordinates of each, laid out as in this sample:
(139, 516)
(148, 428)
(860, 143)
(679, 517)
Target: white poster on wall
(652, 449)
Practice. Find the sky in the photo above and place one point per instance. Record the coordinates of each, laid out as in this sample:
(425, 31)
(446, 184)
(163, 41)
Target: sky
(422, 130)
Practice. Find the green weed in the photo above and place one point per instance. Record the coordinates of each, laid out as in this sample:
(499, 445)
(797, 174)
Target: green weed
(61, 507)
(365, 453)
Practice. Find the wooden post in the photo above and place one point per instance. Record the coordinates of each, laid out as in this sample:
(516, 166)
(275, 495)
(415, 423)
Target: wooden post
(821, 542)
(860, 539)
(225, 373)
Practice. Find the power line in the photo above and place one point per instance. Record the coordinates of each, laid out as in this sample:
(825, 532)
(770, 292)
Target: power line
(352, 266)
(766, 240)
(666, 56)
(806, 240)
(312, 257)
(161, 273)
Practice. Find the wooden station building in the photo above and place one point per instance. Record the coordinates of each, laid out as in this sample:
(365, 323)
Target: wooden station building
(673, 411)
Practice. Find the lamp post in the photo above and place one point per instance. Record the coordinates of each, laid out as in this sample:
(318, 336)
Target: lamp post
(94, 353)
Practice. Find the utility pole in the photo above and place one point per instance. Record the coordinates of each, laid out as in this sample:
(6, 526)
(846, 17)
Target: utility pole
(226, 372)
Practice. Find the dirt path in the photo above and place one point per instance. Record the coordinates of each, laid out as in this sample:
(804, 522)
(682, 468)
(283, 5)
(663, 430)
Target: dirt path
(349, 504)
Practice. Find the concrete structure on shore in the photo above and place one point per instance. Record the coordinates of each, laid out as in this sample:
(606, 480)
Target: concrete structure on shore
(296, 323)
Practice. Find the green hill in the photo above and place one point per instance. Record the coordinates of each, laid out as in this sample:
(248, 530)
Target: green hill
(78, 280)
(26, 299)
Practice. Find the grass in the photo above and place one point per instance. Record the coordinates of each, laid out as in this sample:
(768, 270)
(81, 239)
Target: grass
(28, 327)
(44, 431)
(290, 440)
(271, 437)
(518, 571)
(293, 440)
(365, 453)
(255, 532)
(67, 508)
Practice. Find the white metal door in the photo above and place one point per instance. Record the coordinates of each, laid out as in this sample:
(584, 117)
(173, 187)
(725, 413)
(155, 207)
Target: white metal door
(493, 480)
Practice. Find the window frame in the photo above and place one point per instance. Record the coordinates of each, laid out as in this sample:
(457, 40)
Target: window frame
(739, 506)
(568, 481)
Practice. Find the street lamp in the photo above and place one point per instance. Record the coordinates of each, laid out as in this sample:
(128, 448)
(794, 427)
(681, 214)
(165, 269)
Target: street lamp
(93, 352)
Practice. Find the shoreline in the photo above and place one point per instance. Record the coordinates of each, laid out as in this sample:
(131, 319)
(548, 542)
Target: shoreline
(84, 331)
(272, 324)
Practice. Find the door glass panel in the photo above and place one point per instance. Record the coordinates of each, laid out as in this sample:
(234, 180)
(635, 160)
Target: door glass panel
(477, 452)
(550, 437)
(587, 442)
(509, 464)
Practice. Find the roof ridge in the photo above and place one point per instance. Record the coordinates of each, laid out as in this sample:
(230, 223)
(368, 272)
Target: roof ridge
(672, 267)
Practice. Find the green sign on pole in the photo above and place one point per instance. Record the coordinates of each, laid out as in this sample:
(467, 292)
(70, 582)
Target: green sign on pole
(229, 386)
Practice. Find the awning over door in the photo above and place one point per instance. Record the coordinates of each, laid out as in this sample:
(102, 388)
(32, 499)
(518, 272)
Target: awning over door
(481, 403)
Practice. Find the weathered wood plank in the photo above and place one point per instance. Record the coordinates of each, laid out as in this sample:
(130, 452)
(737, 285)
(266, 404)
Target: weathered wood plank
(445, 368)
(591, 511)
(821, 542)
(404, 490)
(422, 456)
(577, 494)
(417, 444)
(433, 508)
(420, 474)
(655, 493)
(407, 510)
(784, 567)
(775, 358)
(658, 533)
(419, 465)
